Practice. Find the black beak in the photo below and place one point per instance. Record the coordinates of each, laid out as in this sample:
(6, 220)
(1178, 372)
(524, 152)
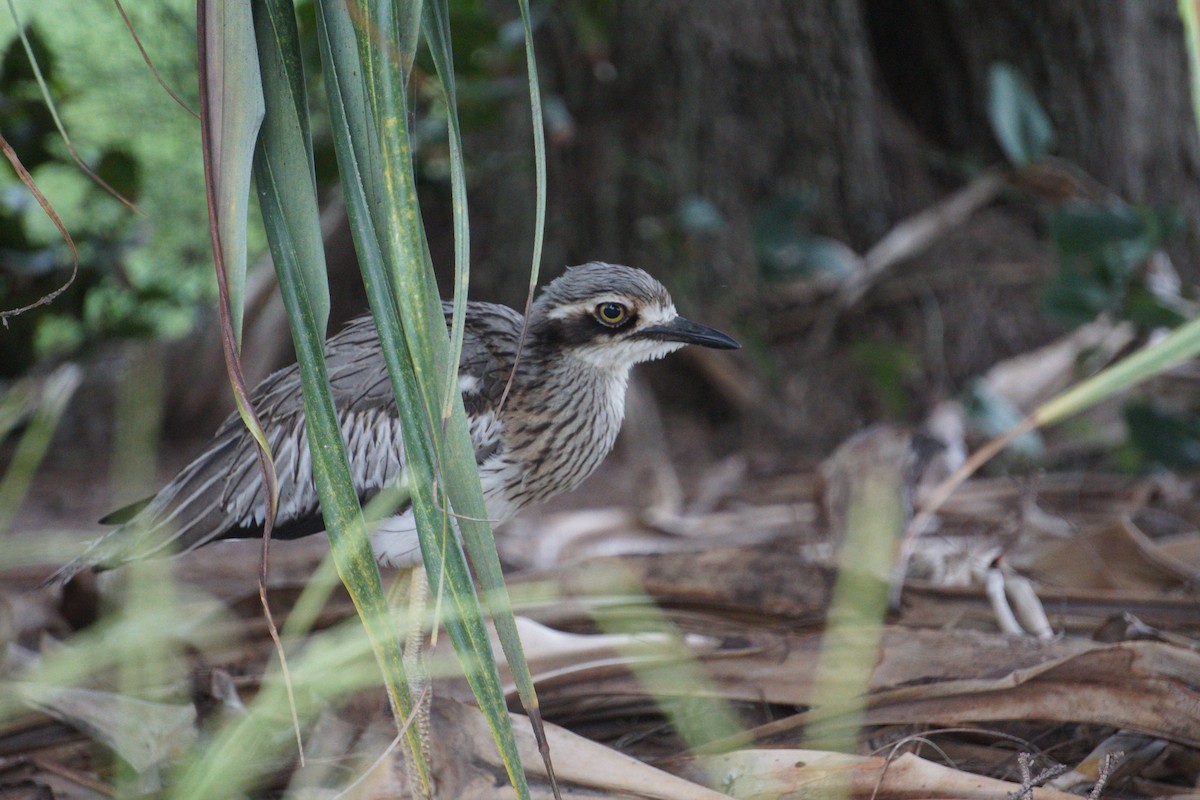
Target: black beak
(688, 332)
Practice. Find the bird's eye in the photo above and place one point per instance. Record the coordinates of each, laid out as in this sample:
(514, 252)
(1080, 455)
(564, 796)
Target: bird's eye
(611, 314)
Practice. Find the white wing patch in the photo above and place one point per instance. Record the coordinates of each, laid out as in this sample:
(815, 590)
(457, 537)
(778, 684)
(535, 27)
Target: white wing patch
(395, 542)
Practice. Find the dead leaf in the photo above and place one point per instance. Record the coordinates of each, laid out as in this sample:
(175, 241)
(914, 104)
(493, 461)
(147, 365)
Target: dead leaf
(815, 774)
(143, 733)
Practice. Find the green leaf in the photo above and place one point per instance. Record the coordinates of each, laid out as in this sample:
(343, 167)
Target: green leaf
(1018, 121)
(283, 162)
(236, 108)
(539, 145)
(369, 115)
(286, 183)
(1191, 26)
(699, 217)
(1148, 311)
(1101, 250)
(787, 250)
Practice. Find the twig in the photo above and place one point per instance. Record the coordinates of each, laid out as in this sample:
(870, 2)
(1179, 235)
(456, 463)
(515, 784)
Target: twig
(906, 239)
(150, 64)
(1111, 761)
(1029, 781)
(75, 776)
(916, 233)
(62, 130)
(27, 179)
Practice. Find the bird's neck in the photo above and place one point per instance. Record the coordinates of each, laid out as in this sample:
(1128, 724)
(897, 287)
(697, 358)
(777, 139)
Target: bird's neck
(564, 420)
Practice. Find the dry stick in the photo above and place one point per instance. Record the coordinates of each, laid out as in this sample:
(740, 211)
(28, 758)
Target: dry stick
(893, 754)
(150, 64)
(27, 179)
(41, 82)
(75, 776)
(233, 363)
(1111, 762)
(906, 239)
(916, 233)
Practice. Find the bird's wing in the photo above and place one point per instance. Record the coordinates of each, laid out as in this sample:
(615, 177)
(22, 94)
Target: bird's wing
(219, 495)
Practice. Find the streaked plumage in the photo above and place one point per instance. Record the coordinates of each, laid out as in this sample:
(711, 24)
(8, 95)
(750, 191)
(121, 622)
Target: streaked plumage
(560, 421)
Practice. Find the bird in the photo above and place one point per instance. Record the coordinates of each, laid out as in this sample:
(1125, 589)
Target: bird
(586, 330)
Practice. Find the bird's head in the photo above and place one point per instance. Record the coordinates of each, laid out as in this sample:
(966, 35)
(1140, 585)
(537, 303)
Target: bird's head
(613, 317)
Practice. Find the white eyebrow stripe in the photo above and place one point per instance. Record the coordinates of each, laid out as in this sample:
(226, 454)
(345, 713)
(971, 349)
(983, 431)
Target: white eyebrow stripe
(576, 309)
(657, 315)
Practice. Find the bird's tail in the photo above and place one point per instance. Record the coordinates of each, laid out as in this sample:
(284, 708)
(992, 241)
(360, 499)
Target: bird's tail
(183, 516)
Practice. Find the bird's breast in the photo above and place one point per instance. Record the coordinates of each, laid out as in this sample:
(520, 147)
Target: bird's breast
(556, 441)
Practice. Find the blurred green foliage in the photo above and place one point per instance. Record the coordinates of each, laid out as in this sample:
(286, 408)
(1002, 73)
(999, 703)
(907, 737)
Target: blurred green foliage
(146, 277)
(138, 276)
(787, 249)
(1102, 252)
(1110, 258)
(1102, 248)
(894, 370)
(1162, 438)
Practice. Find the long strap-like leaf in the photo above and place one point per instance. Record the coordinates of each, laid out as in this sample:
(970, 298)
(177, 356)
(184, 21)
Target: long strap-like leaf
(286, 185)
(367, 103)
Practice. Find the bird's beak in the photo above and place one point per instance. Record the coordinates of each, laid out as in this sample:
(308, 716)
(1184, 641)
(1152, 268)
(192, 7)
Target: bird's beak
(688, 332)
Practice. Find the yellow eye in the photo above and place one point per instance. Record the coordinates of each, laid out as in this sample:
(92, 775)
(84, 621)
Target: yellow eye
(611, 314)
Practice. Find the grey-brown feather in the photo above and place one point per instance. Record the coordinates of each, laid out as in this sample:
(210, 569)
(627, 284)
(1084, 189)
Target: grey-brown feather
(219, 495)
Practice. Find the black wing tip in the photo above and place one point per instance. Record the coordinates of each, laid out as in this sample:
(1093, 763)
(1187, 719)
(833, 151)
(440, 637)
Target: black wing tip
(125, 513)
(64, 574)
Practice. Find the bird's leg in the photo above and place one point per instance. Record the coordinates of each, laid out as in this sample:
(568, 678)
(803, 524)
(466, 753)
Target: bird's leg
(416, 663)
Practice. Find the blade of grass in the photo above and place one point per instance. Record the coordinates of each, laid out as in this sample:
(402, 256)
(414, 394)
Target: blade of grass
(1181, 345)
(539, 162)
(283, 158)
(477, 537)
(292, 216)
(56, 392)
(239, 101)
(424, 328)
(874, 525)
(229, 288)
(1189, 12)
(539, 149)
(437, 38)
(230, 81)
(674, 678)
(369, 117)
(286, 182)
